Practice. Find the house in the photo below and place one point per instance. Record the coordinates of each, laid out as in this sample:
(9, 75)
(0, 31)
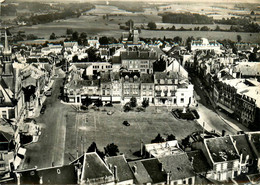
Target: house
(106, 87)
(205, 44)
(139, 61)
(247, 156)
(172, 90)
(116, 87)
(254, 141)
(223, 157)
(7, 106)
(121, 170)
(7, 155)
(33, 80)
(130, 85)
(178, 168)
(147, 87)
(148, 171)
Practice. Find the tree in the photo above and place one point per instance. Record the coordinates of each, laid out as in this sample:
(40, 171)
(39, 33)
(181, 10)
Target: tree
(252, 13)
(103, 40)
(177, 39)
(69, 31)
(31, 37)
(171, 137)
(133, 102)
(217, 28)
(93, 148)
(204, 28)
(239, 38)
(158, 139)
(127, 107)
(145, 103)
(111, 150)
(75, 36)
(83, 35)
(152, 25)
(52, 36)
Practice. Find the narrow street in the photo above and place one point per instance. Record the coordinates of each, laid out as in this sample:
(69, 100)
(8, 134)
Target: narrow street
(51, 143)
(212, 120)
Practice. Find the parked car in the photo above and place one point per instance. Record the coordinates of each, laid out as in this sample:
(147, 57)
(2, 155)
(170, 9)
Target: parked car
(126, 123)
(43, 109)
(110, 113)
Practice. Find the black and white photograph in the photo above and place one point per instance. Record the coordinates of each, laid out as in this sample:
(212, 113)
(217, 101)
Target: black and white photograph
(122, 92)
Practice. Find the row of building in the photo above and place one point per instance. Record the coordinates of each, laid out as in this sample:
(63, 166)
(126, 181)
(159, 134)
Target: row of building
(228, 159)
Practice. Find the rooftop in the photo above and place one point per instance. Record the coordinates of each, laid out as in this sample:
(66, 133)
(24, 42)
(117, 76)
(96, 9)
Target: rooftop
(199, 161)
(221, 149)
(147, 78)
(54, 175)
(163, 149)
(179, 166)
(123, 170)
(243, 146)
(94, 167)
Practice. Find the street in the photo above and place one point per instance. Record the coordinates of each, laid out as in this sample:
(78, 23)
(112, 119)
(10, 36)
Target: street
(211, 119)
(49, 150)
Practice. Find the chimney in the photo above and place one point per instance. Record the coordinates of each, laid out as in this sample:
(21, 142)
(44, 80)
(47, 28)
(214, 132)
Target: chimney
(115, 173)
(191, 160)
(18, 178)
(41, 181)
(134, 169)
(168, 178)
(141, 149)
(247, 158)
(78, 174)
(241, 157)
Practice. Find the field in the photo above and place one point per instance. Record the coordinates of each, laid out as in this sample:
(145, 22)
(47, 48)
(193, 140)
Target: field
(84, 128)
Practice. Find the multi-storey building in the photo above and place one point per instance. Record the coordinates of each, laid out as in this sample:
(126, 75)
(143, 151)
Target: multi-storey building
(147, 87)
(139, 61)
(130, 85)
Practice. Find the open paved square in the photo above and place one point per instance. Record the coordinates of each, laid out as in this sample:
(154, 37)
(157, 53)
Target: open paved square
(84, 128)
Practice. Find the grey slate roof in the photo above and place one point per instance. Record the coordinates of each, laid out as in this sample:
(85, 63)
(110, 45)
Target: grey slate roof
(94, 167)
(124, 172)
(199, 163)
(179, 166)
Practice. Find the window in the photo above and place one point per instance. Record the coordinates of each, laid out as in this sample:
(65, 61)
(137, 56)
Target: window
(182, 100)
(184, 182)
(4, 114)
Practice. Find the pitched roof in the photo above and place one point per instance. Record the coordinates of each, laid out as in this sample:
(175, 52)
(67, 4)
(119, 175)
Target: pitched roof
(199, 161)
(148, 171)
(94, 167)
(221, 149)
(124, 172)
(54, 175)
(179, 166)
(243, 146)
(5, 137)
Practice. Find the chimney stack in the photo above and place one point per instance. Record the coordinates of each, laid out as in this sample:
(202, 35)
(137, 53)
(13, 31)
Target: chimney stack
(141, 149)
(115, 173)
(134, 169)
(168, 178)
(18, 178)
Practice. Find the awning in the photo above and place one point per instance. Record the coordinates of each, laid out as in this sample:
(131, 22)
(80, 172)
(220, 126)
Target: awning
(225, 108)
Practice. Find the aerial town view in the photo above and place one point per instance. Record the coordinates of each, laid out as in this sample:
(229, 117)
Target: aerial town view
(129, 92)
